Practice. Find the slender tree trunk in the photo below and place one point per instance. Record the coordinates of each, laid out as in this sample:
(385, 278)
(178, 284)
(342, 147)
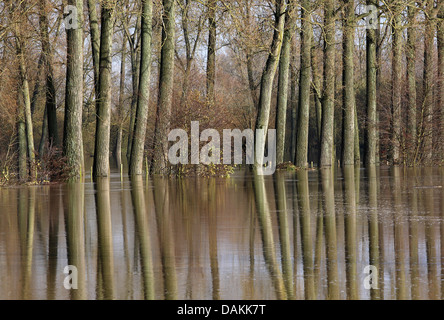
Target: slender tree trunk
(328, 105)
(138, 142)
(211, 54)
(103, 119)
(411, 82)
(317, 91)
(72, 138)
(120, 111)
(284, 69)
(166, 82)
(304, 86)
(22, 164)
(95, 41)
(268, 74)
(294, 107)
(396, 86)
(348, 156)
(428, 83)
(440, 91)
(371, 133)
(44, 136)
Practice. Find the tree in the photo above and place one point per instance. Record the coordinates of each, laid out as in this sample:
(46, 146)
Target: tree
(411, 81)
(328, 101)
(103, 119)
(304, 86)
(396, 82)
(284, 70)
(371, 67)
(211, 53)
(268, 74)
(166, 82)
(72, 137)
(141, 114)
(348, 156)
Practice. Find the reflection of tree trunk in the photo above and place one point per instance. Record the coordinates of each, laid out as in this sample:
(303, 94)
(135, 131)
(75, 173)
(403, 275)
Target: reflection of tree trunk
(75, 236)
(413, 236)
(319, 237)
(27, 218)
(141, 221)
(295, 236)
(375, 294)
(284, 234)
(53, 236)
(350, 233)
(330, 233)
(105, 236)
(399, 235)
(432, 234)
(264, 219)
(212, 221)
(167, 248)
(306, 235)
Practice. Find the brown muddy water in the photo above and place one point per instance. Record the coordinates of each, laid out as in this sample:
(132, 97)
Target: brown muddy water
(352, 234)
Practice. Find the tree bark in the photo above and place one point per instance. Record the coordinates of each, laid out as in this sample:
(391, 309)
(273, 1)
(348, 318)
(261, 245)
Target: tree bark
(348, 85)
(328, 101)
(440, 91)
(304, 86)
(141, 114)
(166, 82)
(103, 119)
(72, 138)
(268, 74)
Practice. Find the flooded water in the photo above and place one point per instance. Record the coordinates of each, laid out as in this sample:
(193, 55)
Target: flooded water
(352, 234)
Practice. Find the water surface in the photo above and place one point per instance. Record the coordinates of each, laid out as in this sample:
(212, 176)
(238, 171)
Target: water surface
(303, 235)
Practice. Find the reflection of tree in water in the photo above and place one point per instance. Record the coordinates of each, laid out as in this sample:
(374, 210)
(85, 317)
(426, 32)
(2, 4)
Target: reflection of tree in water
(105, 279)
(75, 235)
(143, 236)
(264, 219)
(164, 216)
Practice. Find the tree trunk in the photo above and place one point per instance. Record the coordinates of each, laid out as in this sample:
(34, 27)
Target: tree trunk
(348, 155)
(166, 82)
(268, 74)
(396, 86)
(304, 86)
(428, 83)
(412, 135)
(103, 119)
(120, 110)
(140, 119)
(284, 69)
(72, 138)
(440, 91)
(371, 133)
(211, 54)
(328, 105)
(22, 164)
(95, 42)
